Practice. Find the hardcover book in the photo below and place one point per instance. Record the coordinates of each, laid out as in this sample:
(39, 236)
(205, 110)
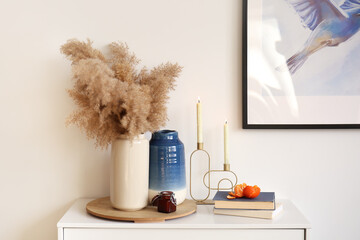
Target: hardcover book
(265, 200)
(266, 214)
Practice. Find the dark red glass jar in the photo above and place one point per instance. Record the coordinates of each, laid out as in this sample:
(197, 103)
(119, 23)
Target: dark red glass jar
(165, 201)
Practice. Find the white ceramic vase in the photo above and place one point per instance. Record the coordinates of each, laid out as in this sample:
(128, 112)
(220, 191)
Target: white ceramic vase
(129, 174)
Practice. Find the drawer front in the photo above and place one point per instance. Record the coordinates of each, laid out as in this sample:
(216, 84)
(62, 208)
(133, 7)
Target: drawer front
(179, 234)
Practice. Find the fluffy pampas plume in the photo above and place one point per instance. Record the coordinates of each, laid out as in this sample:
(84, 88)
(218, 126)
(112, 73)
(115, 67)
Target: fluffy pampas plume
(114, 98)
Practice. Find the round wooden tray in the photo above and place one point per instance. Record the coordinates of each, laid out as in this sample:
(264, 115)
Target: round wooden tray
(102, 208)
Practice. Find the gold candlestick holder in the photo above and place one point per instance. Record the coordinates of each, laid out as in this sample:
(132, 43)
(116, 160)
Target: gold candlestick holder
(200, 150)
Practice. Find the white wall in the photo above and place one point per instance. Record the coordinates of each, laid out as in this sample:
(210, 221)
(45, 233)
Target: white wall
(45, 166)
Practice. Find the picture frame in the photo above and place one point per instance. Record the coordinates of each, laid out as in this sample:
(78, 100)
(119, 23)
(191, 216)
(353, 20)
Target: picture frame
(273, 97)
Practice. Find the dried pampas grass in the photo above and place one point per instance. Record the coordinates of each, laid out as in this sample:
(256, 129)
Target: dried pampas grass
(114, 98)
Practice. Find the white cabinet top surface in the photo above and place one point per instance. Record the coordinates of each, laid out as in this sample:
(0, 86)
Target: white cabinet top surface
(290, 217)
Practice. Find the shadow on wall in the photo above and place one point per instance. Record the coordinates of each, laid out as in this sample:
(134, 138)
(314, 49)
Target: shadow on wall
(71, 167)
(44, 227)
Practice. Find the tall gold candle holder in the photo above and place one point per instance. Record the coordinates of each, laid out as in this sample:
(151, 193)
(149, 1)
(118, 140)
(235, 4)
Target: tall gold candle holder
(200, 149)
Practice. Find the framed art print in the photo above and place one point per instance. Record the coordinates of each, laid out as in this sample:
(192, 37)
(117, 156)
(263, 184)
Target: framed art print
(301, 64)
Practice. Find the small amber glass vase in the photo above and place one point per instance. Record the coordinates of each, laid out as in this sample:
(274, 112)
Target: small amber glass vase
(165, 201)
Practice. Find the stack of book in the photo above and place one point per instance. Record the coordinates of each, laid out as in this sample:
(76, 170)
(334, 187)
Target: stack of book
(263, 206)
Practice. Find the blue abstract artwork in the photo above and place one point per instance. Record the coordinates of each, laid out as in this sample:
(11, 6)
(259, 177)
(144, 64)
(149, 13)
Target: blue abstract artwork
(303, 64)
(324, 41)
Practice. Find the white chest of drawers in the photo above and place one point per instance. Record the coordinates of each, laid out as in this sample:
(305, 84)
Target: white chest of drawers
(290, 224)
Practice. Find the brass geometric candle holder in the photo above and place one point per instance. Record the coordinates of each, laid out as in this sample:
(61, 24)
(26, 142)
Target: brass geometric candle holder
(208, 173)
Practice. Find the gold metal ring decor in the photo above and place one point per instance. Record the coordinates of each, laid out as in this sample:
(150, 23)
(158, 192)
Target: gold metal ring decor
(208, 173)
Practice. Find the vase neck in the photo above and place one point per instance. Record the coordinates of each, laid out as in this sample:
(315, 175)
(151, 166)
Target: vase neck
(165, 135)
(138, 137)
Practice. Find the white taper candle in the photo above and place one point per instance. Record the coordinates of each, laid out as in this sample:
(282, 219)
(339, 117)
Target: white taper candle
(226, 147)
(199, 121)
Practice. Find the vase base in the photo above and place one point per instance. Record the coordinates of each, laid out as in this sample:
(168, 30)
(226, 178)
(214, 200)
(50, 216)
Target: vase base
(127, 210)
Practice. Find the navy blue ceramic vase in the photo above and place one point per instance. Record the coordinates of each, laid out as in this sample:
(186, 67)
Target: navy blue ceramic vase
(167, 165)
